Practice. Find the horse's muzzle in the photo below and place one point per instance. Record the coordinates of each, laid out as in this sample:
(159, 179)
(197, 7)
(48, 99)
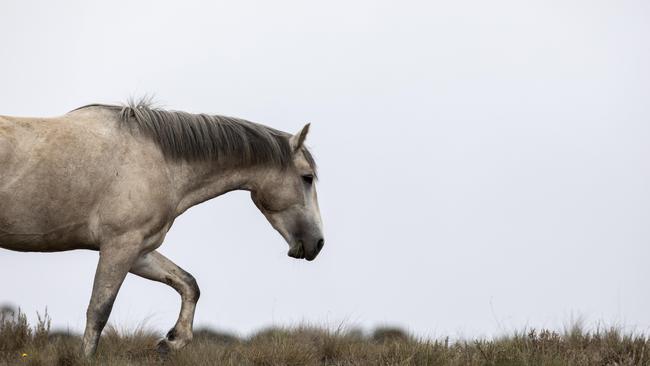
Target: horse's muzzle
(308, 252)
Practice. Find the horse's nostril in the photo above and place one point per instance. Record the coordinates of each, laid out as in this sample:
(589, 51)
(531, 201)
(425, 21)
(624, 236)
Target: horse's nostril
(320, 244)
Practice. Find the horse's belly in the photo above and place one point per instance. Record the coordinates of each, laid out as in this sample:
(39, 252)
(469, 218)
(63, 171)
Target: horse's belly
(33, 220)
(55, 241)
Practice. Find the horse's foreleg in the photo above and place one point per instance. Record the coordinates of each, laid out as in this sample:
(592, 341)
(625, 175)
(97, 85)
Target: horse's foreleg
(156, 267)
(115, 259)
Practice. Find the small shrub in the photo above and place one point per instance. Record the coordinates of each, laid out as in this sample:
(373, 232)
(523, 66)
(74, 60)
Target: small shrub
(215, 336)
(389, 334)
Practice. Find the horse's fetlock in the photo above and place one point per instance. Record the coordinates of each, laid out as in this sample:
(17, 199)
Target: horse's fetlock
(171, 335)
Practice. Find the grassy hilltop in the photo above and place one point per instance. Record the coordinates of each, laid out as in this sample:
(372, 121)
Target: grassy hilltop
(22, 344)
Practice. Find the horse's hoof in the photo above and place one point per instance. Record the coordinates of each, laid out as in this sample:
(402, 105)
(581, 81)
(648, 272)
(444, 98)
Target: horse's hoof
(163, 348)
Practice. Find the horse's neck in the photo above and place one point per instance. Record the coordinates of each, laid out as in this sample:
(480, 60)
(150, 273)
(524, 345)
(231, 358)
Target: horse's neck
(199, 182)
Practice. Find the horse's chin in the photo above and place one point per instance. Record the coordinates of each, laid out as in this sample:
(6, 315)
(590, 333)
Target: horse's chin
(297, 252)
(310, 258)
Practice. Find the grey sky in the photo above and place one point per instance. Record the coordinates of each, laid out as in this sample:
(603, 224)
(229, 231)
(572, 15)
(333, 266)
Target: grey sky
(484, 165)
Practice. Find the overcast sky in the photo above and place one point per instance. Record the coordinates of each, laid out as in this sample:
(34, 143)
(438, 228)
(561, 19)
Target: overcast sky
(484, 165)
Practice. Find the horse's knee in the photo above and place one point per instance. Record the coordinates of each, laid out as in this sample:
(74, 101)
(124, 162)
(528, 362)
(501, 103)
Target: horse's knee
(194, 288)
(191, 292)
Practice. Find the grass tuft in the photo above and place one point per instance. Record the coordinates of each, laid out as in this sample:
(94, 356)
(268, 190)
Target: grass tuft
(37, 345)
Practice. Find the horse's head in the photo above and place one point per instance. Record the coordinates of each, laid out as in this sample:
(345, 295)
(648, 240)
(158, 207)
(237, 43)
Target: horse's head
(287, 198)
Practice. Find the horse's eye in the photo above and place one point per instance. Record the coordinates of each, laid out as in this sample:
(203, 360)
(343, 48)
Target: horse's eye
(309, 179)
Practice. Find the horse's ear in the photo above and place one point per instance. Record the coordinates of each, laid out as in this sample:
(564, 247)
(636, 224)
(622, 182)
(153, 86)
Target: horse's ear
(296, 141)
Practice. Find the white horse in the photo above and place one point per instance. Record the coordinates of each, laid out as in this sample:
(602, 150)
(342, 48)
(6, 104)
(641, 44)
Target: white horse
(113, 179)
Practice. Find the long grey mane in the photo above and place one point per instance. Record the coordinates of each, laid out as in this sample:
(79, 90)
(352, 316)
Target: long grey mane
(192, 137)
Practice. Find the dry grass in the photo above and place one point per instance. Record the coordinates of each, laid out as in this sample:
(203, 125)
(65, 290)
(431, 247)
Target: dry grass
(22, 344)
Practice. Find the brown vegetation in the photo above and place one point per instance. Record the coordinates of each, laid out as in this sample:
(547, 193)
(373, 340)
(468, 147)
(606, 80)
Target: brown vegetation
(22, 344)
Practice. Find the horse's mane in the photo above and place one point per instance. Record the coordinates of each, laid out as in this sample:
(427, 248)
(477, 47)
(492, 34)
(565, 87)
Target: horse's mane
(192, 137)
